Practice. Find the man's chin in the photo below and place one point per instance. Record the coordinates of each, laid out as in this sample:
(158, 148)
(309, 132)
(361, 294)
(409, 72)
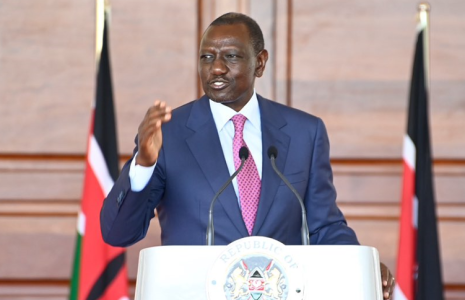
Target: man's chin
(223, 99)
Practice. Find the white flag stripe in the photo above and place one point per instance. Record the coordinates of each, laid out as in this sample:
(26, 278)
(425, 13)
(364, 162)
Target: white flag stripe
(99, 166)
(81, 223)
(409, 152)
(398, 294)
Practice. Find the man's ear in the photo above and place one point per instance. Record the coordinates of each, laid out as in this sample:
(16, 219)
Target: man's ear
(262, 58)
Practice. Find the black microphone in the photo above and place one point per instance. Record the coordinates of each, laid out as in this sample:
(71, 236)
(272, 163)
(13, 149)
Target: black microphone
(243, 155)
(272, 154)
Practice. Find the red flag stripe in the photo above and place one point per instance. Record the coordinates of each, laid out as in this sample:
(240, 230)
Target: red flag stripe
(95, 253)
(407, 246)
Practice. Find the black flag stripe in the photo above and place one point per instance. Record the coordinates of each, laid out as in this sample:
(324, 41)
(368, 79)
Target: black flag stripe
(107, 277)
(105, 128)
(429, 278)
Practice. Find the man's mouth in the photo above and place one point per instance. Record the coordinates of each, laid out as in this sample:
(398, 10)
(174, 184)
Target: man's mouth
(218, 84)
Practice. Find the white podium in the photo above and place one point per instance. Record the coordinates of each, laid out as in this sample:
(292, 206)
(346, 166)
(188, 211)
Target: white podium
(258, 268)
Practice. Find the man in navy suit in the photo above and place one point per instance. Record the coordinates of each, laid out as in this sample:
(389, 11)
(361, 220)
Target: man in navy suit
(183, 157)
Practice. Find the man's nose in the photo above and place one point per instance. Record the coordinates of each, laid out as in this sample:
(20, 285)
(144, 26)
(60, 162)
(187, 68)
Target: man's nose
(219, 67)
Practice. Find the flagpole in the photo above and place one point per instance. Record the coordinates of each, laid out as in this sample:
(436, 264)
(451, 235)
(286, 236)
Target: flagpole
(102, 13)
(423, 23)
(102, 10)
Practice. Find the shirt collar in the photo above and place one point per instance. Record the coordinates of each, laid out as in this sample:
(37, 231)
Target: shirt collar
(222, 113)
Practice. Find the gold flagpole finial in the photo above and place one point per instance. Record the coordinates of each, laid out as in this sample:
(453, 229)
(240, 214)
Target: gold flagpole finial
(99, 24)
(423, 25)
(102, 7)
(423, 14)
(424, 6)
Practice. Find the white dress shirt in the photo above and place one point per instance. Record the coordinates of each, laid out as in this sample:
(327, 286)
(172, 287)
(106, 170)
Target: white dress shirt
(222, 114)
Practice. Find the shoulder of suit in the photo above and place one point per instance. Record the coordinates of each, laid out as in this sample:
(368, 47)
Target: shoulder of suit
(291, 113)
(184, 108)
(194, 112)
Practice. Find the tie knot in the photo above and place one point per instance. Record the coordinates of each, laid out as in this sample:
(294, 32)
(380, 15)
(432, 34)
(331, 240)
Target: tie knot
(239, 121)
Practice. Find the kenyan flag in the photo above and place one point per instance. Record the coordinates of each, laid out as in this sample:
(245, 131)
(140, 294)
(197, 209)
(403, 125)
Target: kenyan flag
(99, 270)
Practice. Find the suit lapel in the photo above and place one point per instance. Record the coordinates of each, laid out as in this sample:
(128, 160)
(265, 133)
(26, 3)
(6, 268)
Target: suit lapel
(206, 148)
(272, 122)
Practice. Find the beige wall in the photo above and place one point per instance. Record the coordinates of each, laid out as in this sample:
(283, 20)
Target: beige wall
(348, 62)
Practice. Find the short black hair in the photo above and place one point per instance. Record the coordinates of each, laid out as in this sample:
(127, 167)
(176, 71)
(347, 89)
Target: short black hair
(255, 32)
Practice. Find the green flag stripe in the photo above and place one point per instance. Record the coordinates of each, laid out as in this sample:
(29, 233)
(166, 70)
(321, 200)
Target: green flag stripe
(74, 288)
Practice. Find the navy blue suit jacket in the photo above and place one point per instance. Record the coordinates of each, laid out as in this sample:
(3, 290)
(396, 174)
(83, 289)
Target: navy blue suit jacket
(191, 168)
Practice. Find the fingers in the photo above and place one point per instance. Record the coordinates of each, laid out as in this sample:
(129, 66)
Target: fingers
(387, 291)
(388, 282)
(156, 115)
(150, 126)
(149, 133)
(386, 276)
(386, 288)
(163, 111)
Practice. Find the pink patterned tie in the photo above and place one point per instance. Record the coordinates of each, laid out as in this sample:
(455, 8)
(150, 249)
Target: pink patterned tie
(248, 180)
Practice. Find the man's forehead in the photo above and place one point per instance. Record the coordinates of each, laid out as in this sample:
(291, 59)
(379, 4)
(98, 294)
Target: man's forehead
(223, 35)
(226, 30)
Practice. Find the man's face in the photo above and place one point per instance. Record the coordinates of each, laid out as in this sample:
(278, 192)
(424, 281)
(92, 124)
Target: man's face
(228, 65)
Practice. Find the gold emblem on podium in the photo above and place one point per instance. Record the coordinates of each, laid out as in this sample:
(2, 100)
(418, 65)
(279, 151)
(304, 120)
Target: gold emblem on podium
(255, 268)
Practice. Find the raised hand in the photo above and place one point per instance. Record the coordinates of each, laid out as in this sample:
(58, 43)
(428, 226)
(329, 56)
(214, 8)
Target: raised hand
(150, 137)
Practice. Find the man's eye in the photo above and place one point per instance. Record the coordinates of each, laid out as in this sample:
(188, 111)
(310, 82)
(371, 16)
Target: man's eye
(206, 56)
(232, 56)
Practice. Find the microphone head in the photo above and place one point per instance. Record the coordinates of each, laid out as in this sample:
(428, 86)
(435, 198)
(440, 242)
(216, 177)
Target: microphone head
(272, 152)
(243, 153)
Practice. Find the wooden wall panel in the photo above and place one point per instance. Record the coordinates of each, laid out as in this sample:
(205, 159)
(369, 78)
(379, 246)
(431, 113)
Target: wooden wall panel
(48, 68)
(35, 221)
(383, 234)
(36, 247)
(351, 65)
(381, 183)
(41, 248)
(264, 12)
(33, 291)
(46, 252)
(283, 47)
(41, 181)
(153, 57)
(46, 75)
